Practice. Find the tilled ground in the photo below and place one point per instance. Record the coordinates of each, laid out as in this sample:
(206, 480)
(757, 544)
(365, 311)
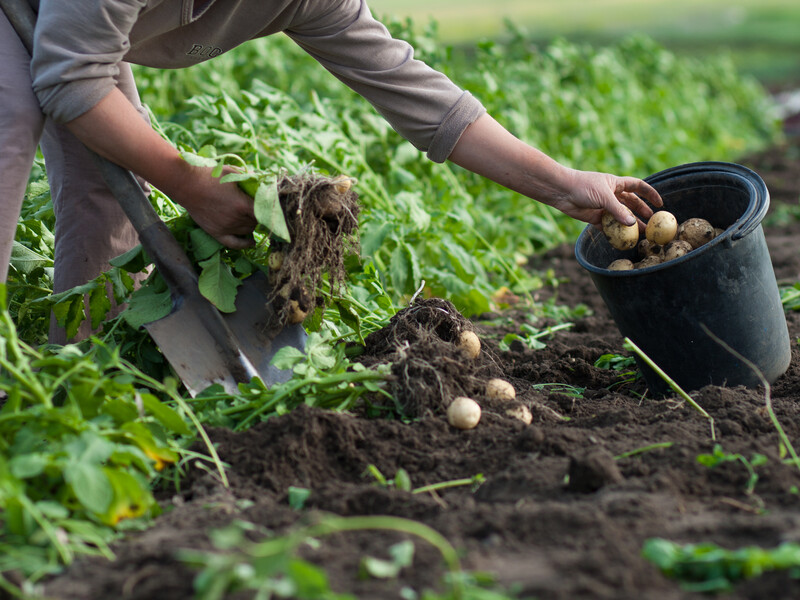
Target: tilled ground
(557, 516)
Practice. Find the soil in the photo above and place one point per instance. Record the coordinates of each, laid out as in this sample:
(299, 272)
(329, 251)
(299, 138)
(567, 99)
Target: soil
(557, 516)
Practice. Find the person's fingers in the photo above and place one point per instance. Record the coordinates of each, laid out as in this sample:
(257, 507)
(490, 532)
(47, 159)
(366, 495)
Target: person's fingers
(236, 242)
(620, 212)
(636, 204)
(639, 187)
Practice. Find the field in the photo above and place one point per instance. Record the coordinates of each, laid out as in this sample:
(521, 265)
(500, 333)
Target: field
(565, 506)
(347, 481)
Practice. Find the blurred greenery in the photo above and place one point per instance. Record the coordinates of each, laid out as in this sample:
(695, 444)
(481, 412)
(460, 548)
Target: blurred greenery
(763, 37)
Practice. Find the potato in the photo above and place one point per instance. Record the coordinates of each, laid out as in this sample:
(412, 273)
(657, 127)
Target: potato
(621, 264)
(648, 262)
(696, 231)
(676, 249)
(295, 314)
(500, 389)
(661, 228)
(463, 413)
(469, 343)
(621, 237)
(342, 184)
(647, 248)
(275, 260)
(521, 412)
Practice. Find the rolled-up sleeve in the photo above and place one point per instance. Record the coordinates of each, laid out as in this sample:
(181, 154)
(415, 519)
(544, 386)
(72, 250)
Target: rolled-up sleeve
(421, 104)
(77, 50)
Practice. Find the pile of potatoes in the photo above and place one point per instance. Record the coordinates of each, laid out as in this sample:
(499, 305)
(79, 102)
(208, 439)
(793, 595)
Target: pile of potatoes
(664, 239)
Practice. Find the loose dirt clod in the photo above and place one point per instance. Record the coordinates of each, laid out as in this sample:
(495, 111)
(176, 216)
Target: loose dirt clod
(322, 217)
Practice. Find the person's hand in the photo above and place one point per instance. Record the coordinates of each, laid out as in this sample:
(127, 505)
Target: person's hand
(223, 210)
(589, 193)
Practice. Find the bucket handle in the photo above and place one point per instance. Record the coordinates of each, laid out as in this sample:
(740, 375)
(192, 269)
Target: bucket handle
(755, 212)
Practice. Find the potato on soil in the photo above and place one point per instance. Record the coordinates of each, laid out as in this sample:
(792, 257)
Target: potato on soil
(621, 237)
(621, 264)
(661, 228)
(676, 249)
(521, 412)
(500, 389)
(463, 413)
(469, 342)
(649, 262)
(696, 231)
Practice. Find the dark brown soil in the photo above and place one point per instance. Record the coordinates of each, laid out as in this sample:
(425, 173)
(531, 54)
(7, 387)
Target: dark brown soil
(557, 516)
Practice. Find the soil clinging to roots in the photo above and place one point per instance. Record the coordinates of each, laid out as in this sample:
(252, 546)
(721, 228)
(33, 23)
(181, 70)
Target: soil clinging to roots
(428, 367)
(322, 218)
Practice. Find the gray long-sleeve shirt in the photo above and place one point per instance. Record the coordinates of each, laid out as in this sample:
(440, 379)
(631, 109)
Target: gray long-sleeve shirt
(78, 45)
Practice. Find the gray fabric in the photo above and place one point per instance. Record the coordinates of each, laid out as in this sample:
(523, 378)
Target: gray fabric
(21, 124)
(79, 44)
(90, 227)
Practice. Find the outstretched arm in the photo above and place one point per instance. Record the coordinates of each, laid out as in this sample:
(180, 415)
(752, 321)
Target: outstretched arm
(488, 149)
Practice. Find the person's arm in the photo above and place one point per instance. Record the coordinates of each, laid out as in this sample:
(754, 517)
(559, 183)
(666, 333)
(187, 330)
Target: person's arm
(115, 130)
(488, 149)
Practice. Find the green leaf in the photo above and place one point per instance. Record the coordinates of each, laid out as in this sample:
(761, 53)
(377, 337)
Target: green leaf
(165, 415)
(196, 160)
(412, 201)
(268, 211)
(298, 497)
(350, 317)
(287, 357)
(26, 260)
(133, 261)
(203, 244)
(400, 269)
(99, 305)
(217, 284)
(373, 237)
(311, 581)
(90, 485)
(147, 305)
(70, 314)
(26, 466)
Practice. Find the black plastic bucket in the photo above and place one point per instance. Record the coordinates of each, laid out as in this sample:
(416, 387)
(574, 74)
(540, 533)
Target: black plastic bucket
(728, 285)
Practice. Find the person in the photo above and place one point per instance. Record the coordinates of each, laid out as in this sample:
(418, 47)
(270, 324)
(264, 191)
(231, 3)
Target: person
(78, 89)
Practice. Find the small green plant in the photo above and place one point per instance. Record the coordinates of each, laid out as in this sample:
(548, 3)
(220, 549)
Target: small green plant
(719, 456)
(272, 569)
(643, 449)
(790, 297)
(402, 481)
(707, 567)
(531, 336)
(624, 365)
